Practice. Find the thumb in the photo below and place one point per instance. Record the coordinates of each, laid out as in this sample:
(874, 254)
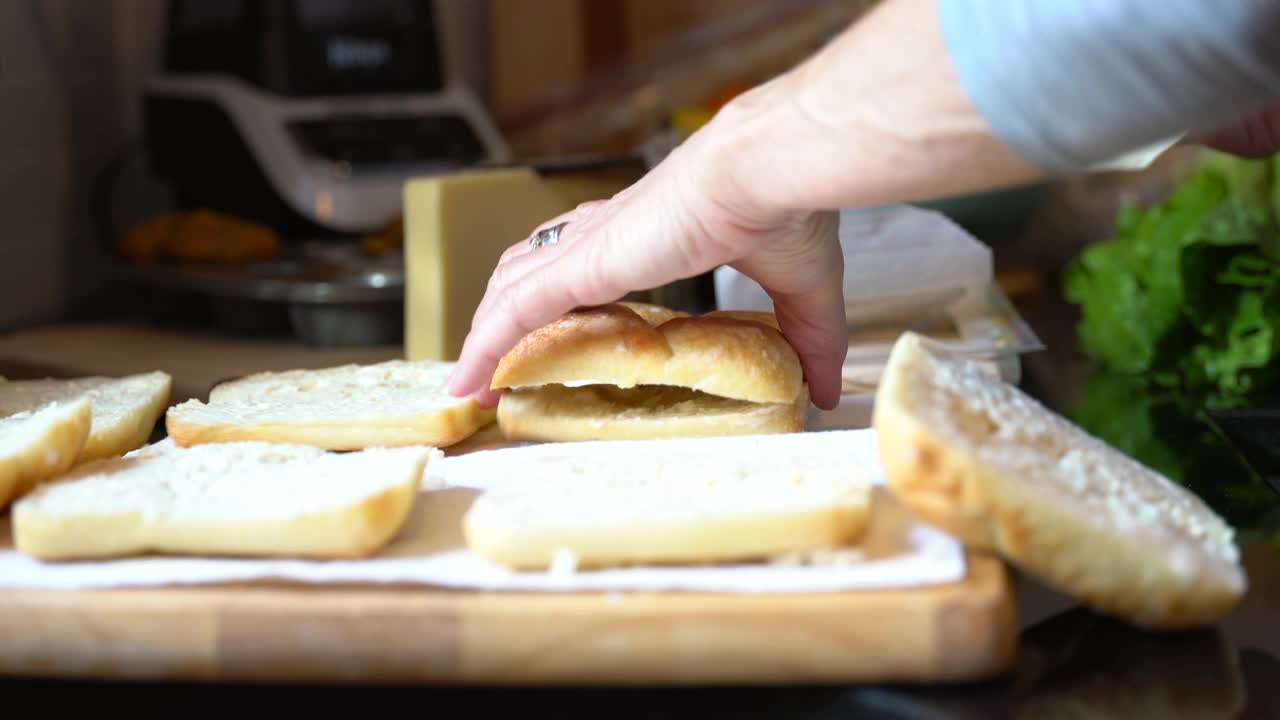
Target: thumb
(813, 321)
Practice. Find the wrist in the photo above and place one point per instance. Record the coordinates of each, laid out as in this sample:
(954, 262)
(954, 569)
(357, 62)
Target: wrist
(746, 138)
(863, 122)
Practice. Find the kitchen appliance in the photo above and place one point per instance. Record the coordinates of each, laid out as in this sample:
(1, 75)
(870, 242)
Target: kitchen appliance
(309, 115)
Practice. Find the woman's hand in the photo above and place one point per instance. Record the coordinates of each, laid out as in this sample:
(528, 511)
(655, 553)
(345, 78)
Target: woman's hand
(682, 219)
(862, 122)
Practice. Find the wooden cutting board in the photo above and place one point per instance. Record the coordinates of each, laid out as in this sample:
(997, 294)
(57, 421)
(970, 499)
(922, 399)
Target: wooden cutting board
(283, 632)
(953, 632)
(295, 632)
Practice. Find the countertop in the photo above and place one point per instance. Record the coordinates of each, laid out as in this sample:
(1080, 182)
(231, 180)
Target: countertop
(1073, 663)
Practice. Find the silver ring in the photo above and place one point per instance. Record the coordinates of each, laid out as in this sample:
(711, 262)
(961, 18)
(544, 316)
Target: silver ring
(546, 236)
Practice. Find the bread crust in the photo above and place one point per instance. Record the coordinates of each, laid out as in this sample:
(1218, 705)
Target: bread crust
(714, 540)
(441, 429)
(1150, 575)
(353, 531)
(61, 436)
(734, 354)
(133, 430)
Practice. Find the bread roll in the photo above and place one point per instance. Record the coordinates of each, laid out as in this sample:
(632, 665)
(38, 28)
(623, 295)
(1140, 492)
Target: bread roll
(636, 371)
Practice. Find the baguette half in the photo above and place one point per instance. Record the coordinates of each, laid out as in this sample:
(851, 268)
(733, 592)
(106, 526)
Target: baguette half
(125, 409)
(975, 455)
(36, 446)
(670, 502)
(348, 407)
(235, 499)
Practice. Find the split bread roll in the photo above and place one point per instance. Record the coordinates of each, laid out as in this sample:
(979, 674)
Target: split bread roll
(36, 446)
(239, 499)
(976, 456)
(698, 501)
(348, 407)
(125, 409)
(630, 371)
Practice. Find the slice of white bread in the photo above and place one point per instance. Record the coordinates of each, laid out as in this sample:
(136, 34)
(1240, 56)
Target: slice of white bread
(348, 407)
(41, 444)
(670, 502)
(636, 371)
(977, 456)
(125, 409)
(231, 499)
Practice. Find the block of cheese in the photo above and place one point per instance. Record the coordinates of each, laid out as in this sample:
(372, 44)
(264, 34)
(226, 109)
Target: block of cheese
(458, 225)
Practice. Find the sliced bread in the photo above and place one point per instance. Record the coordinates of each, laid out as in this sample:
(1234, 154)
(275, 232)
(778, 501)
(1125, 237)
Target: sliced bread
(38, 445)
(975, 455)
(233, 499)
(125, 409)
(670, 502)
(349, 407)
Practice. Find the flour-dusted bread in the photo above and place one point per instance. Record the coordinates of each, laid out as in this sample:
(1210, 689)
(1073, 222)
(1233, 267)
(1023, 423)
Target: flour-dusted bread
(686, 501)
(125, 409)
(635, 371)
(38, 445)
(231, 499)
(975, 455)
(348, 407)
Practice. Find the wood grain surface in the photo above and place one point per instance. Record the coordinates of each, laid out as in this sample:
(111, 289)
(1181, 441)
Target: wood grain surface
(282, 631)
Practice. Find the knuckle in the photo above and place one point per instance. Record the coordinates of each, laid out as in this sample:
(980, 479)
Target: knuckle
(507, 304)
(500, 277)
(510, 253)
(595, 282)
(590, 206)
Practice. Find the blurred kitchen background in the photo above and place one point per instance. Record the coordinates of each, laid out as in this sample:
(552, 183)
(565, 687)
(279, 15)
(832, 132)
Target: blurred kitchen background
(139, 180)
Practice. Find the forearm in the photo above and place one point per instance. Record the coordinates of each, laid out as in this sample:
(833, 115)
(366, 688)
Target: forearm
(877, 116)
(934, 97)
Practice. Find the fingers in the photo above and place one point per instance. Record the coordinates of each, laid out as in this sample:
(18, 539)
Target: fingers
(646, 239)
(487, 398)
(521, 258)
(514, 268)
(631, 242)
(518, 308)
(803, 272)
(524, 247)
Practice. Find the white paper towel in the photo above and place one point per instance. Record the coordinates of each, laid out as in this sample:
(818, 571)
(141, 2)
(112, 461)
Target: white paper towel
(430, 552)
